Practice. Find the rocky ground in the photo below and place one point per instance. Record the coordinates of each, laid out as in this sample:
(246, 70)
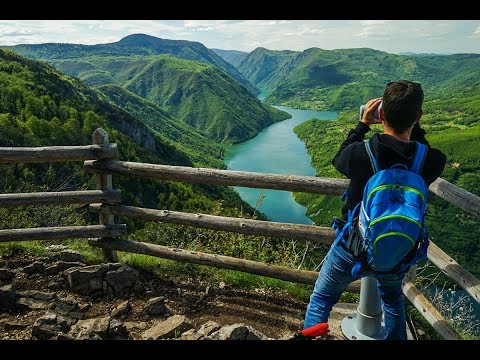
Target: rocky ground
(61, 297)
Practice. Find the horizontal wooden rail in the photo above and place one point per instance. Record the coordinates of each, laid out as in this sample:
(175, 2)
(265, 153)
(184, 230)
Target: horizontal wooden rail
(64, 197)
(238, 225)
(64, 232)
(467, 201)
(454, 270)
(221, 261)
(429, 312)
(57, 153)
(312, 184)
(319, 234)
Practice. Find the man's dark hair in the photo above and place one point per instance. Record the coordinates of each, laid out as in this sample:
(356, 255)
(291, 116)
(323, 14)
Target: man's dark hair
(402, 101)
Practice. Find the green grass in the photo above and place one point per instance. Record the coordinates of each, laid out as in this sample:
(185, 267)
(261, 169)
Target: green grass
(11, 249)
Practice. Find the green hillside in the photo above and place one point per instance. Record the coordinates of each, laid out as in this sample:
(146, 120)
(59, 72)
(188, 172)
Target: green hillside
(40, 107)
(262, 66)
(344, 79)
(203, 97)
(136, 44)
(199, 94)
(234, 57)
(200, 149)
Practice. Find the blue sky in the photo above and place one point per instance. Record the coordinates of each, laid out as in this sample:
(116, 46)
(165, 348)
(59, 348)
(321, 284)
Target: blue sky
(394, 36)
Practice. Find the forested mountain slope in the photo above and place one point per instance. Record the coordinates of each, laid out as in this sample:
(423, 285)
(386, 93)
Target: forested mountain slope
(41, 107)
(203, 151)
(234, 57)
(343, 79)
(199, 94)
(135, 44)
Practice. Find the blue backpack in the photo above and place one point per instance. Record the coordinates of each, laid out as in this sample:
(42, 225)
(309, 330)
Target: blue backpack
(386, 230)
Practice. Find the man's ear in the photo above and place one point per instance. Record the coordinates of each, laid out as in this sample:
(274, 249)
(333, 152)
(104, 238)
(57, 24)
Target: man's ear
(381, 115)
(420, 113)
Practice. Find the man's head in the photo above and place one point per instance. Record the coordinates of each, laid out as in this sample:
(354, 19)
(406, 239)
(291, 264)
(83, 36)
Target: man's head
(402, 105)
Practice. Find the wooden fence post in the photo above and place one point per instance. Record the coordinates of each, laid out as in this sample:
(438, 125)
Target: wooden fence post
(104, 182)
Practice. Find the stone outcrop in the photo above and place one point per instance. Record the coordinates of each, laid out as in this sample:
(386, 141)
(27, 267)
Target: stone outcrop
(112, 278)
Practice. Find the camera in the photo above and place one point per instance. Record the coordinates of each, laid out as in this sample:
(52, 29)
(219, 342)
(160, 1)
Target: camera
(375, 112)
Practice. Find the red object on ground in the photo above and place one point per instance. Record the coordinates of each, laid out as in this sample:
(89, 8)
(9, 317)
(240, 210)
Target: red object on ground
(315, 330)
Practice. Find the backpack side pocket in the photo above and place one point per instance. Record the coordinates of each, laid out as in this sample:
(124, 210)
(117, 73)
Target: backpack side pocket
(355, 242)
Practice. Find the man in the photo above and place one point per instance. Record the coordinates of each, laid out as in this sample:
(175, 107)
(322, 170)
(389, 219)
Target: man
(400, 114)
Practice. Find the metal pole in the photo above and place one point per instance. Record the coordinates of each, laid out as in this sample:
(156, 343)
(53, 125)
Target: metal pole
(366, 323)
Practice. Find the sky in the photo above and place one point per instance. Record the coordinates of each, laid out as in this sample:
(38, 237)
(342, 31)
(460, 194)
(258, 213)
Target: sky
(393, 36)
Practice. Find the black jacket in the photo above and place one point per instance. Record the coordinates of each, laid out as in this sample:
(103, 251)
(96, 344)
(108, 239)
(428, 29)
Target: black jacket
(352, 159)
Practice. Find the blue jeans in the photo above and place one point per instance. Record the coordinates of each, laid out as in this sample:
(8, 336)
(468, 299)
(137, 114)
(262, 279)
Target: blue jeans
(335, 276)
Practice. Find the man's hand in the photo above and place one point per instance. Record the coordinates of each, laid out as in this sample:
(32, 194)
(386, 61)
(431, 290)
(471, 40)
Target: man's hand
(370, 107)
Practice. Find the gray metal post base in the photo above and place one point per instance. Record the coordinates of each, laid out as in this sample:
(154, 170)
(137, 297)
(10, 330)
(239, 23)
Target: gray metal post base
(366, 323)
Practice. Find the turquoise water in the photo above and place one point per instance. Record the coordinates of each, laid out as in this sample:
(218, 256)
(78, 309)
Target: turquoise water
(277, 150)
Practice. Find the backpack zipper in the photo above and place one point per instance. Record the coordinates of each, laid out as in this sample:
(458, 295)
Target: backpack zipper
(392, 233)
(387, 217)
(407, 188)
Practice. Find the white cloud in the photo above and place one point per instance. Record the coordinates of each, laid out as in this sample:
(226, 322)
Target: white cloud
(203, 23)
(374, 28)
(387, 35)
(373, 22)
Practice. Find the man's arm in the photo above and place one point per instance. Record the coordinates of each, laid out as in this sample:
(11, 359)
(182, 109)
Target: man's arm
(343, 156)
(342, 159)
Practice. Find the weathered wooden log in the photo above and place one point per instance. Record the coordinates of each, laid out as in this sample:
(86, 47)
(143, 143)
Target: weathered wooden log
(319, 234)
(64, 232)
(57, 153)
(64, 197)
(468, 202)
(104, 182)
(331, 186)
(454, 270)
(221, 261)
(429, 312)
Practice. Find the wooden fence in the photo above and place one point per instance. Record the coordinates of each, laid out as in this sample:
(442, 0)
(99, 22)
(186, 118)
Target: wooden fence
(99, 159)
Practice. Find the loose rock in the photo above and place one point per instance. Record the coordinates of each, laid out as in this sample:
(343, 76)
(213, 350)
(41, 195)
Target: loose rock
(122, 309)
(51, 325)
(170, 328)
(7, 297)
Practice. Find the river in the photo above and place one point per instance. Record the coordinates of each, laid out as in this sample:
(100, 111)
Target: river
(277, 150)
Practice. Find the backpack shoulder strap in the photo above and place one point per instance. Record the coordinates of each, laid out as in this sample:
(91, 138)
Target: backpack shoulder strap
(419, 158)
(373, 161)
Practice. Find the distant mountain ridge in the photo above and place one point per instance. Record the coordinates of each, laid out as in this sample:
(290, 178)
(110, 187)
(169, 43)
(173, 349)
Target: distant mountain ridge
(204, 98)
(234, 57)
(262, 66)
(342, 79)
(199, 94)
(197, 86)
(135, 44)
